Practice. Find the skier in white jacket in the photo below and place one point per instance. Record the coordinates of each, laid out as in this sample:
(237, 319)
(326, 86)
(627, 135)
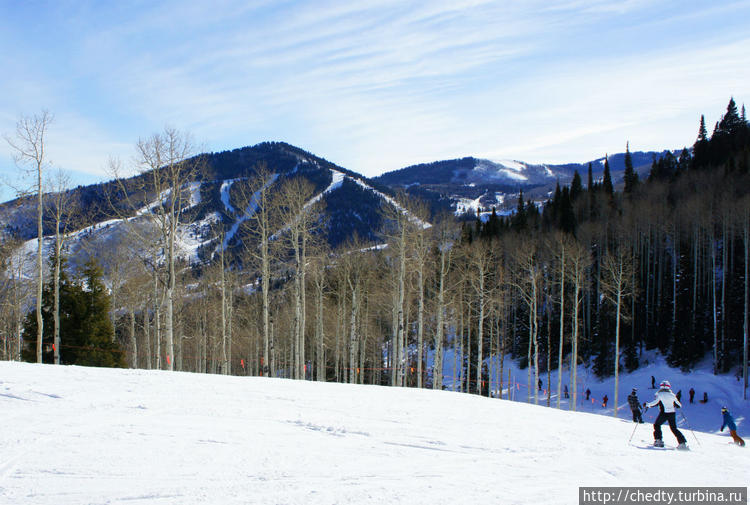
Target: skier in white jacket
(667, 401)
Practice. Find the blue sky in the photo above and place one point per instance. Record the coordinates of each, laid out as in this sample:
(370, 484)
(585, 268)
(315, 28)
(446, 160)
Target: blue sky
(371, 85)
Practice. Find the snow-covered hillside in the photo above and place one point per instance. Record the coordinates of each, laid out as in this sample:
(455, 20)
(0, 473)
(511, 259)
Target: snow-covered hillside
(75, 435)
(721, 390)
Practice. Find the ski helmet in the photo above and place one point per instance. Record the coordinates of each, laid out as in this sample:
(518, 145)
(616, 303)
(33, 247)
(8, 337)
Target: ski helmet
(665, 385)
(634, 390)
(724, 409)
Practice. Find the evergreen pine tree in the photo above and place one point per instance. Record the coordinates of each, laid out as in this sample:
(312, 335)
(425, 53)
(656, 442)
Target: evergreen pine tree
(607, 180)
(702, 133)
(576, 187)
(591, 191)
(684, 161)
(86, 331)
(631, 178)
(731, 123)
(565, 210)
(700, 148)
(519, 221)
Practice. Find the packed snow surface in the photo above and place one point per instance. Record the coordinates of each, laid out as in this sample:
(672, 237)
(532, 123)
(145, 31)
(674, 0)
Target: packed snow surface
(74, 435)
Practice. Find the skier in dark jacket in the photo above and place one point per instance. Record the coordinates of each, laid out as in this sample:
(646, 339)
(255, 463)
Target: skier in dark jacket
(635, 406)
(667, 401)
(604, 401)
(692, 394)
(729, 423)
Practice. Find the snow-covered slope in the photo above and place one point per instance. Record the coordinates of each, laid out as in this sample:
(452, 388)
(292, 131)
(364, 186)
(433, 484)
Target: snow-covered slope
(721, 390)
(106, 234)
(75, 435)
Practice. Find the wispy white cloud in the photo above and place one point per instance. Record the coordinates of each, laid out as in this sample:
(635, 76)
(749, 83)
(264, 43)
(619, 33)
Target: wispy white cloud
(376, 85)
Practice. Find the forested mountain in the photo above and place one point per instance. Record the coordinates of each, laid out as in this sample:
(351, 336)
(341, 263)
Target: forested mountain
(354, 207)
(468, 184)
(669, 254)
(596, 272)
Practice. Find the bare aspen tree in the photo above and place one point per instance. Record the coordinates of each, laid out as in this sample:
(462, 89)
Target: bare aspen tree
(164, 156)
(298, 218)
(354, 267)
(528, 283)
(580, 260)
(167, 164)
(225, 352)
(318, 265)
(398, 234)
(259, 213)
(479, 262)
(560, 245)
(618, 266)
(421, 242)
(28, 146)
(62, 209)
(444, 239)
(400, 331)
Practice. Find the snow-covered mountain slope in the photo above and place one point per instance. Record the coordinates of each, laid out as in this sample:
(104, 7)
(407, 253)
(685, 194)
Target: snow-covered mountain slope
(468, 183)
(106, 235)
(76, 435)
(215, 204)
(721, 390)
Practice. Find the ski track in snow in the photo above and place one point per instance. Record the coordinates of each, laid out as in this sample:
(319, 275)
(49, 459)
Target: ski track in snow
(337, 179)
(249, 211)
(225, 187)
(186, 241)
(110, 436)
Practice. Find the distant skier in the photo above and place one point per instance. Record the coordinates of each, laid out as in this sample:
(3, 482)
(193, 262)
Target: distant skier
(692, 394)
(729, 423)
(540, 384)
(635, 406)
(588, 394)
(705, 397)
(604, 401)
(679, 395)
(653, 382)
(566, 391)
(667, 401)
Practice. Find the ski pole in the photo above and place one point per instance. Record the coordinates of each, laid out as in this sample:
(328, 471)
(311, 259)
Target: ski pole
(691, 429)
(631, 435)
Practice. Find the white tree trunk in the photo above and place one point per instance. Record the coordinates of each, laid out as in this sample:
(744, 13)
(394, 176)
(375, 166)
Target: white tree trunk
(133, 341)
(437, 371)
(420, 323)
(574, 354)
(480, 328)
(58, 252)
(562, 328)
(401, 363)
(39, 268)
(617, 351)
(353, 335)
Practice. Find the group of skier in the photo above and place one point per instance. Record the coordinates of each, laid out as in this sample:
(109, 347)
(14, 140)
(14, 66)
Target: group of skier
(667, 402)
